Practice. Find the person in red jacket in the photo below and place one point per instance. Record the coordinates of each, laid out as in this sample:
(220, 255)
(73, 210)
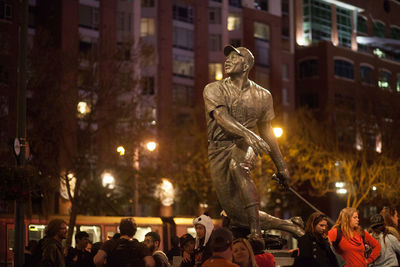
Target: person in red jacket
(351, 246)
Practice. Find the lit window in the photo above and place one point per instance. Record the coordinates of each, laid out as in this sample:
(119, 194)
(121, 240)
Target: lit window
(379, 29)
(308, 68)
(233, 22)
(344, 69)
(215, 71)
(366, 74)
(183, 66)
(146, 27)
(343, 17)
(398, 83)
(385, 78)
(379, 53)
(261, 31)
(316, 21)
(362, 24)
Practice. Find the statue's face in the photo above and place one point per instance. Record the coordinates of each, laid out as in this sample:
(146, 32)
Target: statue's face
(234, 63)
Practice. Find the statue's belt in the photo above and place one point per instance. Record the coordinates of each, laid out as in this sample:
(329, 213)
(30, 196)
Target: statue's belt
(220, 143)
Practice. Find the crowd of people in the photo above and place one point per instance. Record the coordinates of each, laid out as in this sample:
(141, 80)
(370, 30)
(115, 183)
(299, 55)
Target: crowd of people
(344, 244)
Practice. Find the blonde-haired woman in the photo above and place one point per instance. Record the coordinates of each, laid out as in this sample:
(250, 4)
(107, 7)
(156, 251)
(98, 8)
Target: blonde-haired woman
(243, 253)
(351, 244)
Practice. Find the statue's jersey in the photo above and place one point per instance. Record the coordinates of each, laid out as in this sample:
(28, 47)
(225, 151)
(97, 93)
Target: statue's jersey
(248, 106)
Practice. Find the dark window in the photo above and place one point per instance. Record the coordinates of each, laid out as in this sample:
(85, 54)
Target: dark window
(147, 3)
(379, 29)
(344, 69)
(261, 5)
(3, 74)
(362, 24)
(235, 3)
(308, 68)
(88, 17)
(32, 16)
(344, 101)
(261, 53)
(5, 11)
(183, 13)
(214, 42)
(366, 74)
(84, 47)
(309, 100)
(285, 7)
(235, 42)
(215, 15)
(182, 94)
(147, 85)
(395, 33)
(183, 38)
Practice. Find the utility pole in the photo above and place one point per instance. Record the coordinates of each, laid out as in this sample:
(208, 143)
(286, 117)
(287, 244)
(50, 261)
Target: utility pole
(20, 142)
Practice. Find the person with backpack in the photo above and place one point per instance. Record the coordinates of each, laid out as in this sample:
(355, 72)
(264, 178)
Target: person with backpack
(314, 247)
(124, 251)
(349, 240)
(152, 240)
(389, 243)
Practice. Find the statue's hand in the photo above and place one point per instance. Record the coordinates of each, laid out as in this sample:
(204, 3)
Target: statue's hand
(257, 143)
(283, 178)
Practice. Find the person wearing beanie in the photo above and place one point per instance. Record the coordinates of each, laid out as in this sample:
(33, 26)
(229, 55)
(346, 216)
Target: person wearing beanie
(187, 243)
(204, 227)
(390, 245)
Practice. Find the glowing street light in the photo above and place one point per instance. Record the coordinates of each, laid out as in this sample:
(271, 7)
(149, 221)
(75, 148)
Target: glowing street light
(121, 150)
(108, 180)
(151, 146)
(83, 108)
(278, 132)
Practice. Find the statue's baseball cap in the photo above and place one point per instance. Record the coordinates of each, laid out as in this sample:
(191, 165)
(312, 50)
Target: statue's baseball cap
(243, 51)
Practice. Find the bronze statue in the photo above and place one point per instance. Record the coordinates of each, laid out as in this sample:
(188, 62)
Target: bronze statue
(235, 108)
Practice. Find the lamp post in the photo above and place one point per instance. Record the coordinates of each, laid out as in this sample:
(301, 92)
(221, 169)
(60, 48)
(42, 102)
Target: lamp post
(150, 146)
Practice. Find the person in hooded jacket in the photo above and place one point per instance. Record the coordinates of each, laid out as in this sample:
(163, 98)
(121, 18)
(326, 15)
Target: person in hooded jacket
(204, 227)
(390, 245)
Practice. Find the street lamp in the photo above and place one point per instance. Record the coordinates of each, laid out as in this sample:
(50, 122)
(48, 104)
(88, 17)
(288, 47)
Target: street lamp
(151, 146)
(108, 180)
(278, 132)
(121, 150)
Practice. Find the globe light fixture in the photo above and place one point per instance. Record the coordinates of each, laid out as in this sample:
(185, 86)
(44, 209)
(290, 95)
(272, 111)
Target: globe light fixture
(151, 146)
(108, 180)
(278, 132)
